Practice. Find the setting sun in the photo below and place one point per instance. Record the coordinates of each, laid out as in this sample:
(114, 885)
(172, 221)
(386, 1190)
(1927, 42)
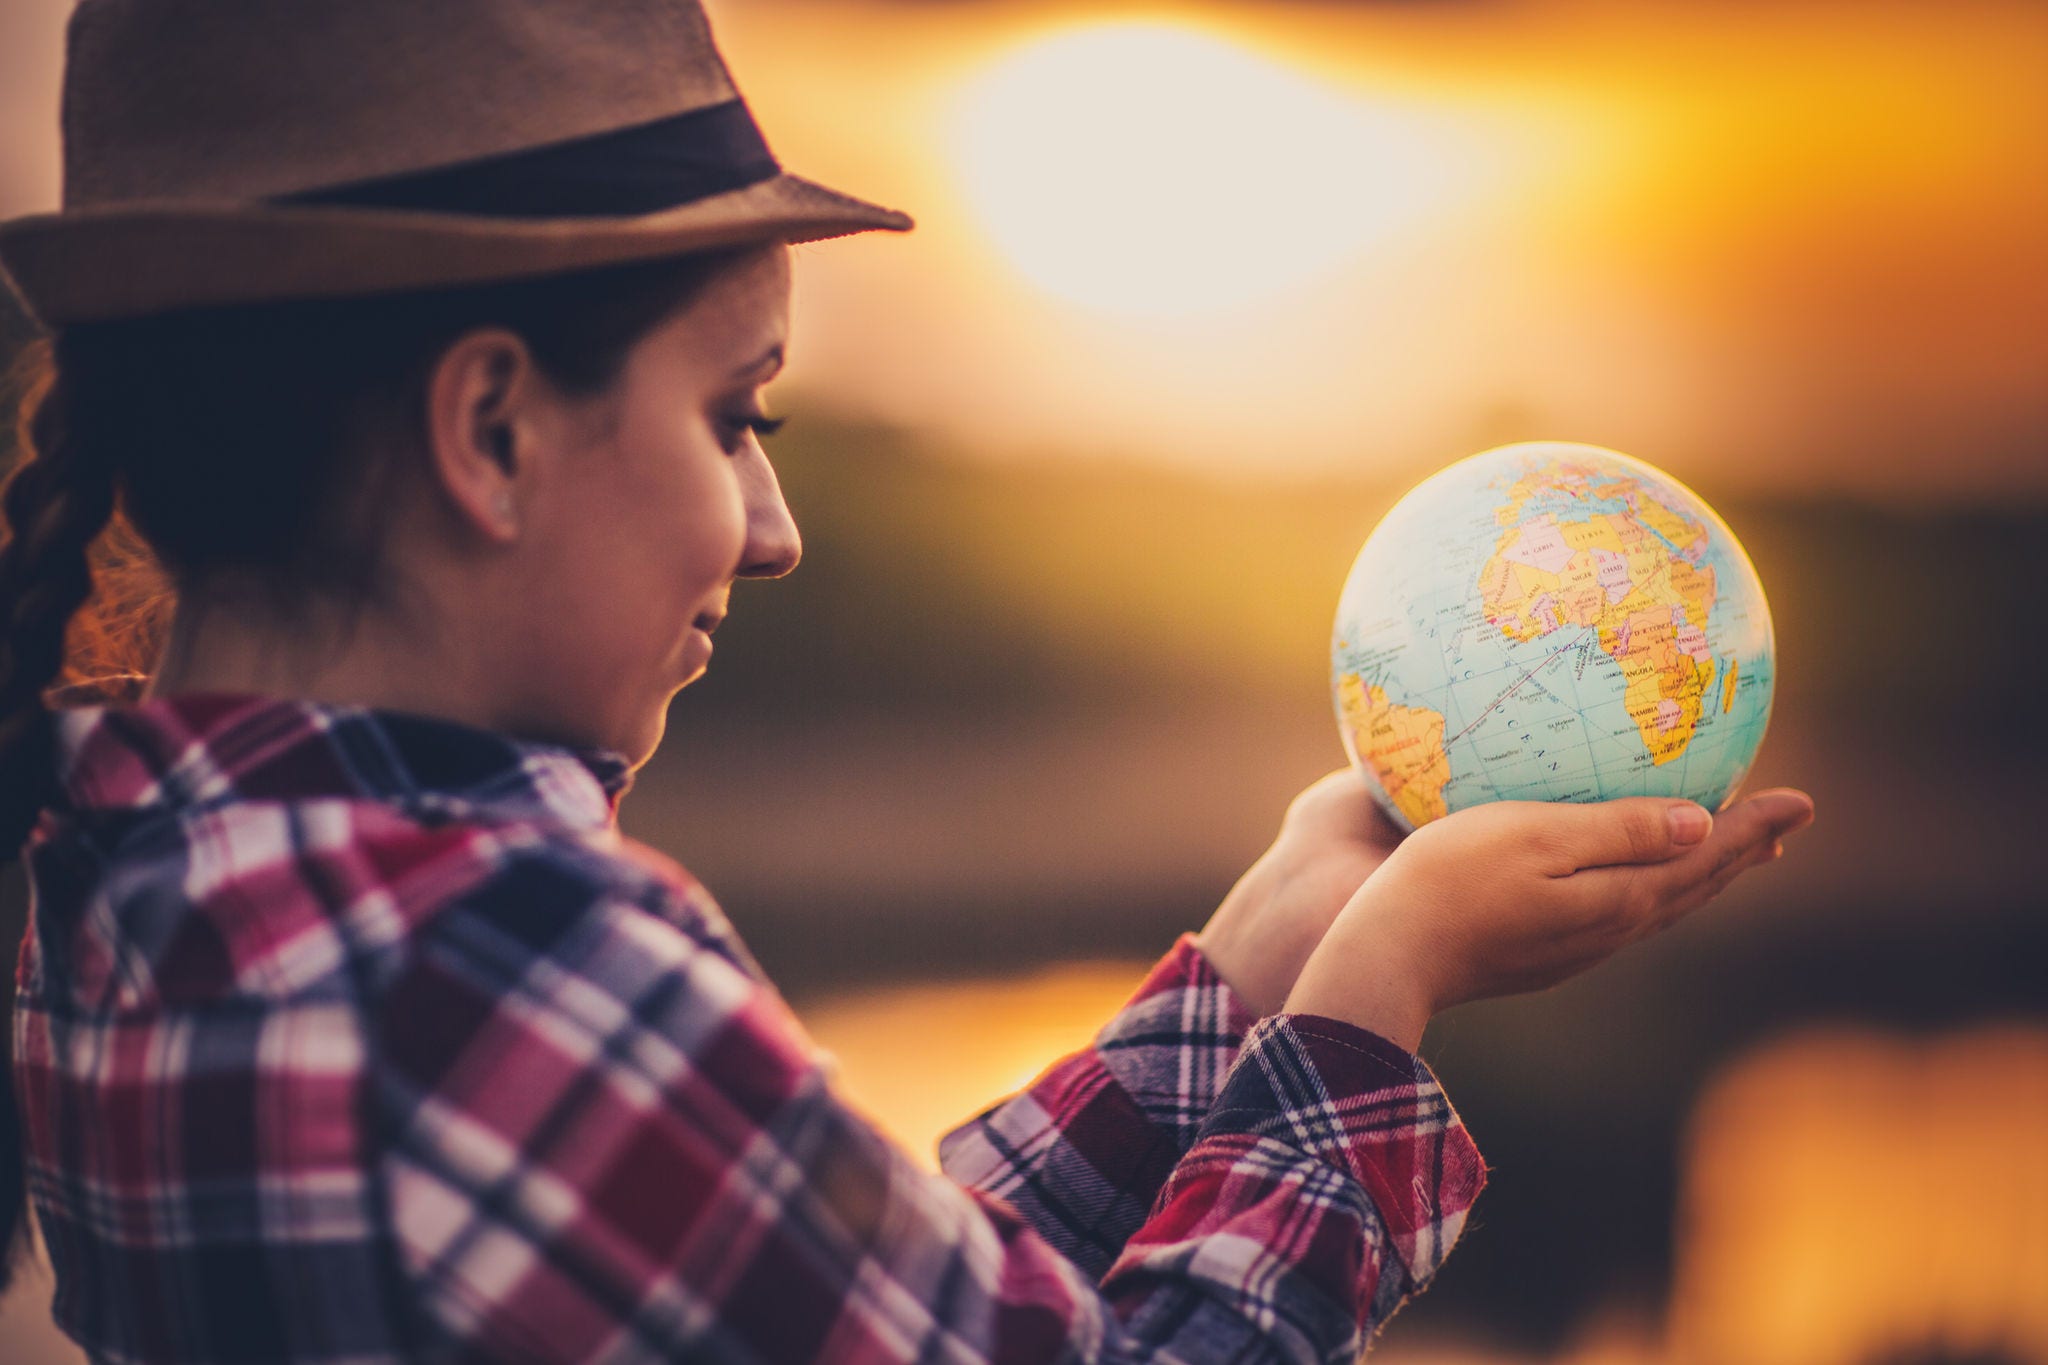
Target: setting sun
(1158, 170)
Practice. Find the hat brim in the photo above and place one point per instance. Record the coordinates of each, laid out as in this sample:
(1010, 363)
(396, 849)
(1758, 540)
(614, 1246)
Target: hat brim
(96, 265)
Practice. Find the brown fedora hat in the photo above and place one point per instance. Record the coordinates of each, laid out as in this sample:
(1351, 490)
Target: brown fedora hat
(236, 151)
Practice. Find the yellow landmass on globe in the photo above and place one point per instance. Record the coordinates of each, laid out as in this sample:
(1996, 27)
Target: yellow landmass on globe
(1608, 573)
(1728, 686)
(1404, 745)
(1666, 687)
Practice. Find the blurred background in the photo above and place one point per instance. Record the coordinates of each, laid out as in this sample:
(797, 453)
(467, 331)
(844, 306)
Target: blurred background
(1197, 292)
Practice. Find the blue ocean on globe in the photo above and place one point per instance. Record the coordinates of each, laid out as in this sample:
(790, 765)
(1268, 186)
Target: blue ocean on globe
(1551, 621)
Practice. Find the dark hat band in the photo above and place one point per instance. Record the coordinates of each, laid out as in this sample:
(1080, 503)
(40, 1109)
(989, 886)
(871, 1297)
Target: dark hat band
(619, 174)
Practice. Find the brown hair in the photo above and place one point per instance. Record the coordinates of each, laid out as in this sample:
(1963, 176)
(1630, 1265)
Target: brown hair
(163, 453)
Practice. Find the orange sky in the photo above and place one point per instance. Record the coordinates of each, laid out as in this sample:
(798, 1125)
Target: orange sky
(1787, 247)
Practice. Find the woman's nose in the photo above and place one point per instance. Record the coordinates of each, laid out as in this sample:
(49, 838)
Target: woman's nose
(773, 544)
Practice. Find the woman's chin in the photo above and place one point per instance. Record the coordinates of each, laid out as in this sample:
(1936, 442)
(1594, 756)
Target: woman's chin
(691, 665)
(694, 661)
(643, 744)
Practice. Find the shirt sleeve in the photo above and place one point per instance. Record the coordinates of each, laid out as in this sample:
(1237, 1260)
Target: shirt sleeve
(607, 1140)
(1082, 1152)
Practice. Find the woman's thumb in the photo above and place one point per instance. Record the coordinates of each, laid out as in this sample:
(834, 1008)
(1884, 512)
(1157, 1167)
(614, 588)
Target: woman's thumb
(1635, 829)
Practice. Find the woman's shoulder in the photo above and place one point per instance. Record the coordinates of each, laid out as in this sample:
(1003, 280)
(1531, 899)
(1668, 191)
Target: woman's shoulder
(506, 904)
(237, 845)
(587, 893)
(281, 899)
(577, 979)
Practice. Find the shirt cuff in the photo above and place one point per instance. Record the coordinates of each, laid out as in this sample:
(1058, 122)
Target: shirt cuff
(1186, 968)
(1373, 1111)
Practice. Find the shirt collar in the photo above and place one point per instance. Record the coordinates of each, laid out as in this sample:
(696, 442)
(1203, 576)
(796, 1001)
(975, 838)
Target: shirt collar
(204, 749)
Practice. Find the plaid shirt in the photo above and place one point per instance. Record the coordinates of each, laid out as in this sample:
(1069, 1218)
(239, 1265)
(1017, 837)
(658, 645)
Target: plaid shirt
(346, 1035)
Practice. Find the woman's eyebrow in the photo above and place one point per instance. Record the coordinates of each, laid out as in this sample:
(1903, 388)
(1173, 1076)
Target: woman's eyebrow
(770, 359)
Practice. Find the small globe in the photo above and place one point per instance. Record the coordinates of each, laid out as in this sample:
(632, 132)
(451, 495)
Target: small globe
(1551, 622)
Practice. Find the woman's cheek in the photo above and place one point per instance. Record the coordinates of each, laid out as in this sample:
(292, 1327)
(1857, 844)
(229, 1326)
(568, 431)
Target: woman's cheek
(715, 535)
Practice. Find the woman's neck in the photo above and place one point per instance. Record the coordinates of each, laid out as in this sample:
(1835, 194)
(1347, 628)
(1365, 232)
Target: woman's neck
(370, 656)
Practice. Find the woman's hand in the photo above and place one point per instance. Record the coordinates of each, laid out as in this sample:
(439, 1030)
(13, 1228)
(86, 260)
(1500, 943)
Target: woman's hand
(1515, 896)
(1332, 838)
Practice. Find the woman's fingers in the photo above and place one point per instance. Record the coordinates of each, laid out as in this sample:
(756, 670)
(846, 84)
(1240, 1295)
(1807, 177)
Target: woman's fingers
(1627, 832)
(1512, 896)
(1754, 826)
(1745, 835)
(1786, 806)
(1338, 806)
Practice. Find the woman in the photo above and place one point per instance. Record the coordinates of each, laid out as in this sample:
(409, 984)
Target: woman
(422, 346)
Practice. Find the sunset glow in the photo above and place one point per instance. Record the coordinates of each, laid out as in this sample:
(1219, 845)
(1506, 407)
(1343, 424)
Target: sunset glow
(1297, 242)
(1850, 1193)
(1156, 169)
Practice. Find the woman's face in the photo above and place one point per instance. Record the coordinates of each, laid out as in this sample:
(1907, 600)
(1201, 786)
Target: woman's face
(661, 496)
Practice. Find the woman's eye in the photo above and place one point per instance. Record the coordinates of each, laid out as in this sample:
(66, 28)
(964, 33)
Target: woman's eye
(759, 423)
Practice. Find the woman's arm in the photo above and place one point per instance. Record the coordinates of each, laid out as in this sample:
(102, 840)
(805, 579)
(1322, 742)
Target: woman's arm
(1082, 1152)
(607, 1136)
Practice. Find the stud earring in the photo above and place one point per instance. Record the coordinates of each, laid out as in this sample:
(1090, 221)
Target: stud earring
(501, 507)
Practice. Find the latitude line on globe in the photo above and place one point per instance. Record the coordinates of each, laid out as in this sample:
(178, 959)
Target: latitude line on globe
(1501, 700)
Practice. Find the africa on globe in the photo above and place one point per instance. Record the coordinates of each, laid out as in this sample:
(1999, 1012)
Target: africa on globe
(1551, 621)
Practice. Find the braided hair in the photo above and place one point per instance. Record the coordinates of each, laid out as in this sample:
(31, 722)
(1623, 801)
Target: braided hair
(55, 506)
(255, 441)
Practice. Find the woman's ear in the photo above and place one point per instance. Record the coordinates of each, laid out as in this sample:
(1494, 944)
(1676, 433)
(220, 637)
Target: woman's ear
(480, 399)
